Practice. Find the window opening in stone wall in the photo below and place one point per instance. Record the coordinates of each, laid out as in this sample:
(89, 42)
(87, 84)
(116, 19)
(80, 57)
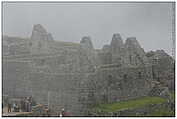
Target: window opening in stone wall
(139, 75)
(110, 80)
(130, 58)
(125, 76)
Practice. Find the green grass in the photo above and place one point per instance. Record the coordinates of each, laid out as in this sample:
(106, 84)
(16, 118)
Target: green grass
(162, 112)
(130, 104)
(172, 95)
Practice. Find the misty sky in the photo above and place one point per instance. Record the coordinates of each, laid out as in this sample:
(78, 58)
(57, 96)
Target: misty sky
(150, 23)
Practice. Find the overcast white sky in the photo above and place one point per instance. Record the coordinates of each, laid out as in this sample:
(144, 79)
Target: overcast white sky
(150, 23)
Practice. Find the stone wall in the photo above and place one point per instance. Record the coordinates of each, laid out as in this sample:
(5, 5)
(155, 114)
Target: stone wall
(59, 90)
(119, 83)
(76, 76)
(15, 78)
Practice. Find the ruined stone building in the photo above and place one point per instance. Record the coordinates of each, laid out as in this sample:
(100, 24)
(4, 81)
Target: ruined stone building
(76, 76)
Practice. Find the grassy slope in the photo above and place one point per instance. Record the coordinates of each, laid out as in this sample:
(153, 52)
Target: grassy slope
(130, 104)
(172, 95)
(161, 112)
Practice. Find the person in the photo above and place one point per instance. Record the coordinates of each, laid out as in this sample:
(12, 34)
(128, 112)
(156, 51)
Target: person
(60, 115)
(29, 104)
(30, 107)
(48, 112)
(63, 112)
(22, 103)
(9, 107)
(26, 106)
(15, 107)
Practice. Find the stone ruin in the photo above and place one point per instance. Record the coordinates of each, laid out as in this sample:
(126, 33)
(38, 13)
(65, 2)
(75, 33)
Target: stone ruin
(76, 76)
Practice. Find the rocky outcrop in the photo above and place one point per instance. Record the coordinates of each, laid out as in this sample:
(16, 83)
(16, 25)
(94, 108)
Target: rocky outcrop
(135, 53)
(116, 43)
(86, 42)
(40, 40)
(117, 49)
(126, 54)
(160, 91)
(163, 67)
(159, 54)
(132, 44)
(87, 47)
(39, 30)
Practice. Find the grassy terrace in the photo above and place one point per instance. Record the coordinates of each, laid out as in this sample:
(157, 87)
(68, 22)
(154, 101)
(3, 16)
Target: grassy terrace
(162, 112)
(172, 95)
(130, 104)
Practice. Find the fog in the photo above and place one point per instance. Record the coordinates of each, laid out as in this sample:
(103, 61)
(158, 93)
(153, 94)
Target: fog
(150, 23)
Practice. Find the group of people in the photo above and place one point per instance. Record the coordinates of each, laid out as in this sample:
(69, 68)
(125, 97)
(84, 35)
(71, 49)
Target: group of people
(13, 106)
(25, 105)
